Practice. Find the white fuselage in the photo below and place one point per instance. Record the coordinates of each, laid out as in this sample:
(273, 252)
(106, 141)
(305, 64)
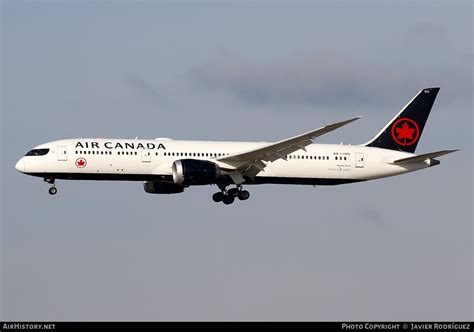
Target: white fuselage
(151, 160)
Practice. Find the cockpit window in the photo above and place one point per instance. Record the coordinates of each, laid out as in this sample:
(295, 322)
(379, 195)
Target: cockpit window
(38, 152)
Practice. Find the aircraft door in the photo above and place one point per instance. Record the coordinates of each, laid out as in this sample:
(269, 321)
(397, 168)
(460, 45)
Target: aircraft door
(359, 160)
(62, 153)
(146, 155)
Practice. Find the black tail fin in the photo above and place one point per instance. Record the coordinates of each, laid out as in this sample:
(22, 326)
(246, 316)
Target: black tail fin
(404, 131)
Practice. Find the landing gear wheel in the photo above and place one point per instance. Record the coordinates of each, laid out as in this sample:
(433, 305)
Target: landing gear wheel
(243, 195)
(52, 191)
(233, 192)
(228, 199)
(218, 197)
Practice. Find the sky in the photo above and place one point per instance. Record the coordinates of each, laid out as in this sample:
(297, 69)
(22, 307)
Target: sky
(391, 249)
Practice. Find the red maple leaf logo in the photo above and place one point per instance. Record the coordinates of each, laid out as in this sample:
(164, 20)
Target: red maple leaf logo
(405, 131)
(80, 163)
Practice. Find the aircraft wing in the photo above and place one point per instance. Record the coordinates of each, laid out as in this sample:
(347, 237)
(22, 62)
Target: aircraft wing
(251, 162)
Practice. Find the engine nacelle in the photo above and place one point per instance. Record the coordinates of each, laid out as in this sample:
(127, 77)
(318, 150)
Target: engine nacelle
(156, 187)
(195, 172)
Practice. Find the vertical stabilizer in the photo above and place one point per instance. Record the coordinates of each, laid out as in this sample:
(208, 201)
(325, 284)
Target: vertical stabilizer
(403, 132)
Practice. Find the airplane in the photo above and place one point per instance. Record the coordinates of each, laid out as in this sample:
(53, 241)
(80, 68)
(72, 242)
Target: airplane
(169, 166)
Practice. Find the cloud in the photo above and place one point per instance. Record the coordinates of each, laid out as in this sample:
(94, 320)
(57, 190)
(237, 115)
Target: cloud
(372, 216)
(140, 84)
(326, 80)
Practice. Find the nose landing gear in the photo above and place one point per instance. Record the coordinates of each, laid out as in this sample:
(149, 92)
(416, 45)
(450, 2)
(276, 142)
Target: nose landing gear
(228, 196)
(53, 190)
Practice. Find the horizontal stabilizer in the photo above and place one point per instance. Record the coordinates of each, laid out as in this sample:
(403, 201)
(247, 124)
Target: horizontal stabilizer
(423, 157)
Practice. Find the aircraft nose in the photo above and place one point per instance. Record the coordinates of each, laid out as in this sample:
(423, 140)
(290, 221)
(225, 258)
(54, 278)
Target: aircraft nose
(20, 165)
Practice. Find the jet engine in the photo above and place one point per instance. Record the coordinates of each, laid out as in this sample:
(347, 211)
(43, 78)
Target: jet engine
(157, 187)
(195, 172)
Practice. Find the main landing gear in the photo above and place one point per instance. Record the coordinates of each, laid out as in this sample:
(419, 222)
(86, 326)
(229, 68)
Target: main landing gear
(53, 190)
(228, 196)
